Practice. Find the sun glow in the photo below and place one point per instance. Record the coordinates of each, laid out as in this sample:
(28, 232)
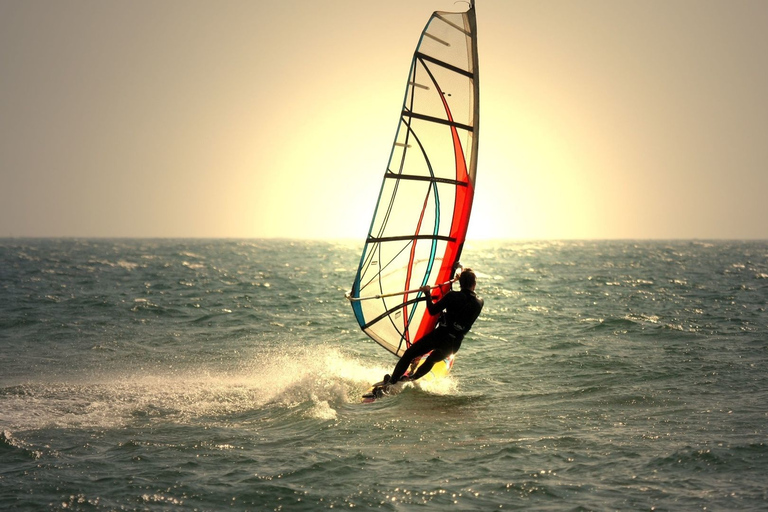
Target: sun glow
(587, 128)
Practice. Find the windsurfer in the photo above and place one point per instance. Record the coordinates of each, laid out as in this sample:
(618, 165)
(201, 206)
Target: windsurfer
(460, 310)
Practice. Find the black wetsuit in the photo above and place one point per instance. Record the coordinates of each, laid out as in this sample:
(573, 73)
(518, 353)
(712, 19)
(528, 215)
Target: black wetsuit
(461, 310)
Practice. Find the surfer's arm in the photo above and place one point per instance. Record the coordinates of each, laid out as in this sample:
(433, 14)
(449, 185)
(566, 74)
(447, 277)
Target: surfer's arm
(435, 307)
(431, 307)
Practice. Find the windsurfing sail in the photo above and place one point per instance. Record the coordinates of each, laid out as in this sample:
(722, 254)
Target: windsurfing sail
(420, 221)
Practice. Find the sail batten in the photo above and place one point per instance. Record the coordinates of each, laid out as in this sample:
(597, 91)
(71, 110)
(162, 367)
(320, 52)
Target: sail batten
(439, 120)
(446, 65)
(420, 221)
(394, 176)
(446, 43)
(441, 18)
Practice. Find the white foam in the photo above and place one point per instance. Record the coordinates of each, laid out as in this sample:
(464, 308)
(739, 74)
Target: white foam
(321, 380)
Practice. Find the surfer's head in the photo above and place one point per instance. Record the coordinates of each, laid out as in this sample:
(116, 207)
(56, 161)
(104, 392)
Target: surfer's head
(467, 279)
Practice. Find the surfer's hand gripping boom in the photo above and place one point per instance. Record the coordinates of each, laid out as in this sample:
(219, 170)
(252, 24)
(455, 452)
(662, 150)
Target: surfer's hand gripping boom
(423, 289)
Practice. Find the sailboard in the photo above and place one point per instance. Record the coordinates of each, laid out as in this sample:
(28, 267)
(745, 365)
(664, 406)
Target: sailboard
(420, 220)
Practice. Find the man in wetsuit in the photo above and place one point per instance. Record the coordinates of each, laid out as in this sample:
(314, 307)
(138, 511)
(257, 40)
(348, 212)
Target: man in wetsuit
(461, 309)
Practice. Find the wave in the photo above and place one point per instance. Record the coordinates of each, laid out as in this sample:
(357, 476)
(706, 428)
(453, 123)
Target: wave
(304, 382)
(715, 458)
(16, 450)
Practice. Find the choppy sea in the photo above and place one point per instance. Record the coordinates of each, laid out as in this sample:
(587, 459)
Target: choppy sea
(226, 375)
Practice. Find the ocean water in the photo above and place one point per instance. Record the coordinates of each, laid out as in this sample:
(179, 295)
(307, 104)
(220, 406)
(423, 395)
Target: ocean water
(226, 375)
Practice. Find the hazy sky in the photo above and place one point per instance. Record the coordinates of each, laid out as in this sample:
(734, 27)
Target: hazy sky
(181, 118)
